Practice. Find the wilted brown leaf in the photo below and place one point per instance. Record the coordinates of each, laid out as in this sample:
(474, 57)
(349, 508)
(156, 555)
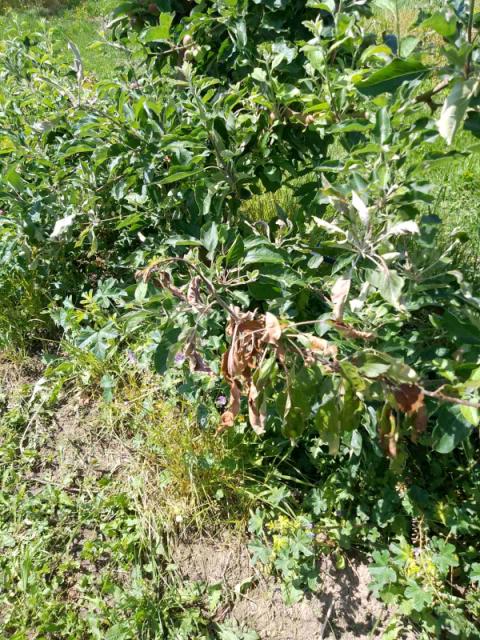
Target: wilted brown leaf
(257, 415)
(273, 330)
(410, 398)
(195, 360)
(240, 361)
(193, 292)
(420, 421)
(228, 417)
(319, 345)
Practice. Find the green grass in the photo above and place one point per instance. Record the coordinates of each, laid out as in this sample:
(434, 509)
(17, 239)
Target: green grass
(80, 21)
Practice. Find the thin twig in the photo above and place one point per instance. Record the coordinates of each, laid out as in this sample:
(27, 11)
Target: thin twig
(205, 280)
(428, 95)
(451, 399)
(327, 618)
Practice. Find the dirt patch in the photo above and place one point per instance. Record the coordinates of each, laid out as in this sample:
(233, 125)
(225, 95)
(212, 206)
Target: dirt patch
(80, 447)
(71, 442)
(14, 376)
(342, 608)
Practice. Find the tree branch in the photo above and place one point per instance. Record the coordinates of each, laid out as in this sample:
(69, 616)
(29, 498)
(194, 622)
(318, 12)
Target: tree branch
(428, 95)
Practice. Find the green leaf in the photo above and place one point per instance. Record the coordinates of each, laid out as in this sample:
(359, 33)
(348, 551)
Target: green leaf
(382, 574)
(264, 255)
(236, 252)
(259, 552)
(392, 76)
(444, 23)
(162, 31)
(471, 415)
(209, 237)
(451, 429)
(373, 369)
(326, 5)
(383, 127)
(98, 342)
(454, 109)
(445, 558)
(15, 180)
(108, 385)
(408, 45)
(475, 572)
(259, 74)
(6, 145)
(386, 5)
(164, 350)
(389, 285)
(418, 595)
(179, 175)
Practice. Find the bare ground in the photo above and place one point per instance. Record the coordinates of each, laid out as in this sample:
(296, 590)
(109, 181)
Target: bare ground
(343, 607)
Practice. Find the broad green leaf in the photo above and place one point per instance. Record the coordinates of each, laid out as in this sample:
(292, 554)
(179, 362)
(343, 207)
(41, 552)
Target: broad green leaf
(326, 5)
(451, 429)
(445, 557)
(444, 23)
(383, 127)
(163, 353)
(475, 572)
(402, 228)
(179, 175)
(419, 596)
(108, 385)
(209, 237)
(98, 342)
(141, 292)
(15, 179)
(373, 369)
(454, 108)
(77, 148)
(259, 74)
(264, 255)
(6, 145)
(387, 5)
(161, 31)
(408, 45)
(236, 252)
(392, 76)
(389, 284)
(382, 574)
(471, 415)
